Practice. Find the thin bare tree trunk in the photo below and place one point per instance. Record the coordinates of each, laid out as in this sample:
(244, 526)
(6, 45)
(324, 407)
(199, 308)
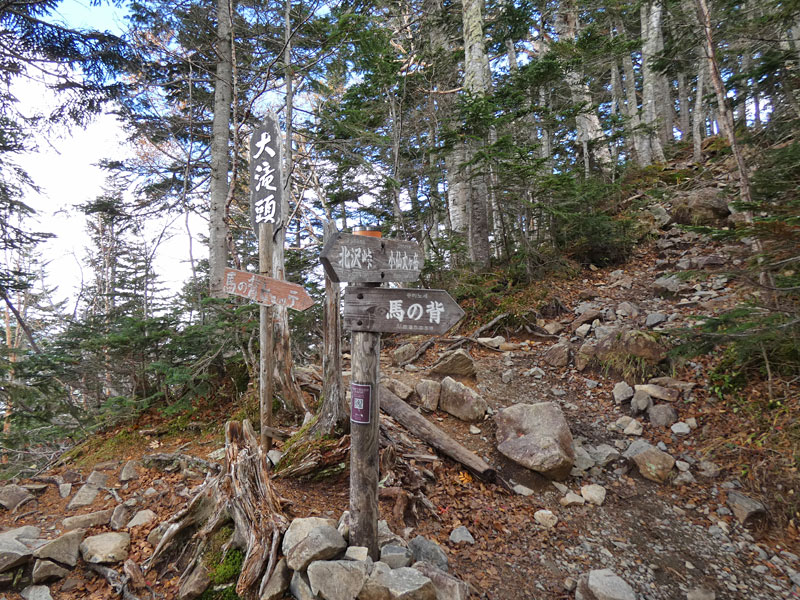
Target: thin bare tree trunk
(651, 26)
(641, 141)
(698, 114)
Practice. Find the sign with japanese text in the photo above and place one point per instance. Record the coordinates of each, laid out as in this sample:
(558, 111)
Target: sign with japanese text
(362, 259)
(360, 401)
(266, 184)
(266, 290)
(396, 310)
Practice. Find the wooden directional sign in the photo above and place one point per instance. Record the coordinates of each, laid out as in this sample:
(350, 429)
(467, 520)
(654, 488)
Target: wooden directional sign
(395, 310)
(266, 290)
(266, 187)
(362, 259)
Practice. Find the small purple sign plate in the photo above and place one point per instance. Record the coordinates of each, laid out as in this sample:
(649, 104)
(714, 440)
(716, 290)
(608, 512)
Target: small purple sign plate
(360, 402)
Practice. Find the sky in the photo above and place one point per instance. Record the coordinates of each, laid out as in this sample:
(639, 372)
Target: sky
(65, 167)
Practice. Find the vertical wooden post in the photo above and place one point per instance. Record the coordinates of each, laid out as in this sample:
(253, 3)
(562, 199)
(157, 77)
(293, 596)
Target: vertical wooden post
(266, 338)
(364, 415)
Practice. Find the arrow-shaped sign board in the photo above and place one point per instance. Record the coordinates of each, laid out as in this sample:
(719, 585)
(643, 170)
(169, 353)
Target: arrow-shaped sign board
(396, 310)
(266, 290)
(363, 259)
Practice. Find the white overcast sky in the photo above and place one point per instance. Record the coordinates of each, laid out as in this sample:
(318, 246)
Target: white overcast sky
(65, 169)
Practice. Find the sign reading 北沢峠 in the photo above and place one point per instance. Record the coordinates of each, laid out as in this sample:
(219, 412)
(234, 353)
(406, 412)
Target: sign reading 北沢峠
(266, 187)
(362, 259)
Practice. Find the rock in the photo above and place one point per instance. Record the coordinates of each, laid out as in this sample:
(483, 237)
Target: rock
(106, 547)
(669, 285)
(537, 437)
(586, 317)
(684, 478)
(669, 382)
(16, 546)
(594, 494)
(461, 401)
(641, 402)
(492, 342)
(522, 490)
(708, 469)
(406, 583)
(398, 388)
(704, 206)
(622, 392)
(474, 430)
(636, 447)
(63, 549)
(64, 489)
(337, 579)
(628, 344)
(553, 327)
(274, 456)
(301, 588)
(143, 517)
(545, 518)
(572, 499)
(36, 592)
(746, 510)
(585, 355)
(71, 584)
(457, 363)
(88, 491)
(322, 543)
(300, 528)
(603, 584)
(603, 454)
(12, 496)
(507, 376)
(387, 536)
(120, 517)
(661, 218)
(100, 517)
(583, 460)
(447, 587)
(461, 535)
(45, 571)
(429, 391)
(357, 553)
(627, 309)
(633, 428)
(427, 551)
(654, 464)
(396, 556)
(701, 593)
(662, 415)
(584, 330)
(129, 471)
(658, 392)
(654, 319)
(681, 429)
(195, 584)
(403, 354)
(557, 355)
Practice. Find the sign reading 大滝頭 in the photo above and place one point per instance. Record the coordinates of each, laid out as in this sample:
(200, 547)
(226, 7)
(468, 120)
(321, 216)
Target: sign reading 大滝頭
(363, 259)
(400, 310)
(266, 187)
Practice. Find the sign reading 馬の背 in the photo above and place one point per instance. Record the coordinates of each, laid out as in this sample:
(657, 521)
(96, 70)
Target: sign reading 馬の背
(266, 187)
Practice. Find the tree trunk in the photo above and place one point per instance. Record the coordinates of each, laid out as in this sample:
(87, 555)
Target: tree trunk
(220, 133)
(698, 114)
(641, 141)
(651, 26)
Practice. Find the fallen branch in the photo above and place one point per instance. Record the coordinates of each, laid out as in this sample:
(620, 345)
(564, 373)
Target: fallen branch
(118, 583)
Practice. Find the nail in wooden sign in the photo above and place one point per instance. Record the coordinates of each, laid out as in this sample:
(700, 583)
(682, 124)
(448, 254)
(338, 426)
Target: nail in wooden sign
(362, 259)
(395, 310)
(266, 290)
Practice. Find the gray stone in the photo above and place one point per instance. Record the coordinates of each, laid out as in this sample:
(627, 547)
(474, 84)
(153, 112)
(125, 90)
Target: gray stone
(84, 496)
(492, 342)
(36, 592)
(603, 584)
(461, 535)
(389, 584)
(337, 579)
(670, 382)
(622, 392)
(300, 587)
(669, 285)
(63, 549)
(662, 415)
(641, 402)
(658, 392)
(545, 518)
(681, 429)
(522, 490)
(537, 437)
(457, 363)
(700, 593)
(603, 454)
(403, 354)
(129, 471)
(627, 309)
(633, 428)
(387, 536)
(708, 469)
(507, 376)
(654, 464)
(684, 478)
(106, 547)
(12, 496)
(360, 553)
(654, 319)
(636, 447)
(583, 460)
(120, 517)
(322, 543)
(16, 546)
(594, 494)
(64, 489)
(706, 206)
(196, 583)
(396, 556)
(447, 587)
(627, 344)
(98, 479)
(300, 528)
(217, 454)
(143, 517)
(572, 499)
(100, 517)
(45, 571)
(585, 355)
(461, 401)
(584, 330)
(429, 391)
(425, 550)
(398, 388)
(557, 355)
(746, 510)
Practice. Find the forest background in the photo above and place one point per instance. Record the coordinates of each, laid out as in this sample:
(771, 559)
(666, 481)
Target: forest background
(515, 141)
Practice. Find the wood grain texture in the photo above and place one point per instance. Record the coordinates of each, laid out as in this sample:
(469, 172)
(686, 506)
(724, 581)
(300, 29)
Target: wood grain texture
(363, 259)
(400, 310)
(266, 290)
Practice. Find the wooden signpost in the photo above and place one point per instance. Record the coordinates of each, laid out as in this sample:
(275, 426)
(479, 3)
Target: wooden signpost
(266, 290)
(368, 311)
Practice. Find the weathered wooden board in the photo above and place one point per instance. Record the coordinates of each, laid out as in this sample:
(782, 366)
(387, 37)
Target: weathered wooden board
(266, 184)
(266, 290)
(396, 310)
(363, 259)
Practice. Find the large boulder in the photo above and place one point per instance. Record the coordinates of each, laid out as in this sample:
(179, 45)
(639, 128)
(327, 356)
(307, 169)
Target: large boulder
(16, 546)
(106, 547)
(558, 355)
(63, 549)
(300, 528)
(337, 579)
(429, 392)
(629, 345)
(12, 496)
(385, 583)
(603, 584)
(322, 543)
(704, 206)
(654, 464)
(461, 401)
(537, 437)
(457, 364)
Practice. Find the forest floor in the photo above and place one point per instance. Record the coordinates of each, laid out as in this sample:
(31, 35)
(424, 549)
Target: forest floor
(667, 541)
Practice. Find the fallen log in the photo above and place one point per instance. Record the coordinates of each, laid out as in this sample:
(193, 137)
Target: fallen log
(423, 429)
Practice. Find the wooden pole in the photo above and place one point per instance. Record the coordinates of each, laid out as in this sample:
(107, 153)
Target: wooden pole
(266, 339)
(364, 416)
